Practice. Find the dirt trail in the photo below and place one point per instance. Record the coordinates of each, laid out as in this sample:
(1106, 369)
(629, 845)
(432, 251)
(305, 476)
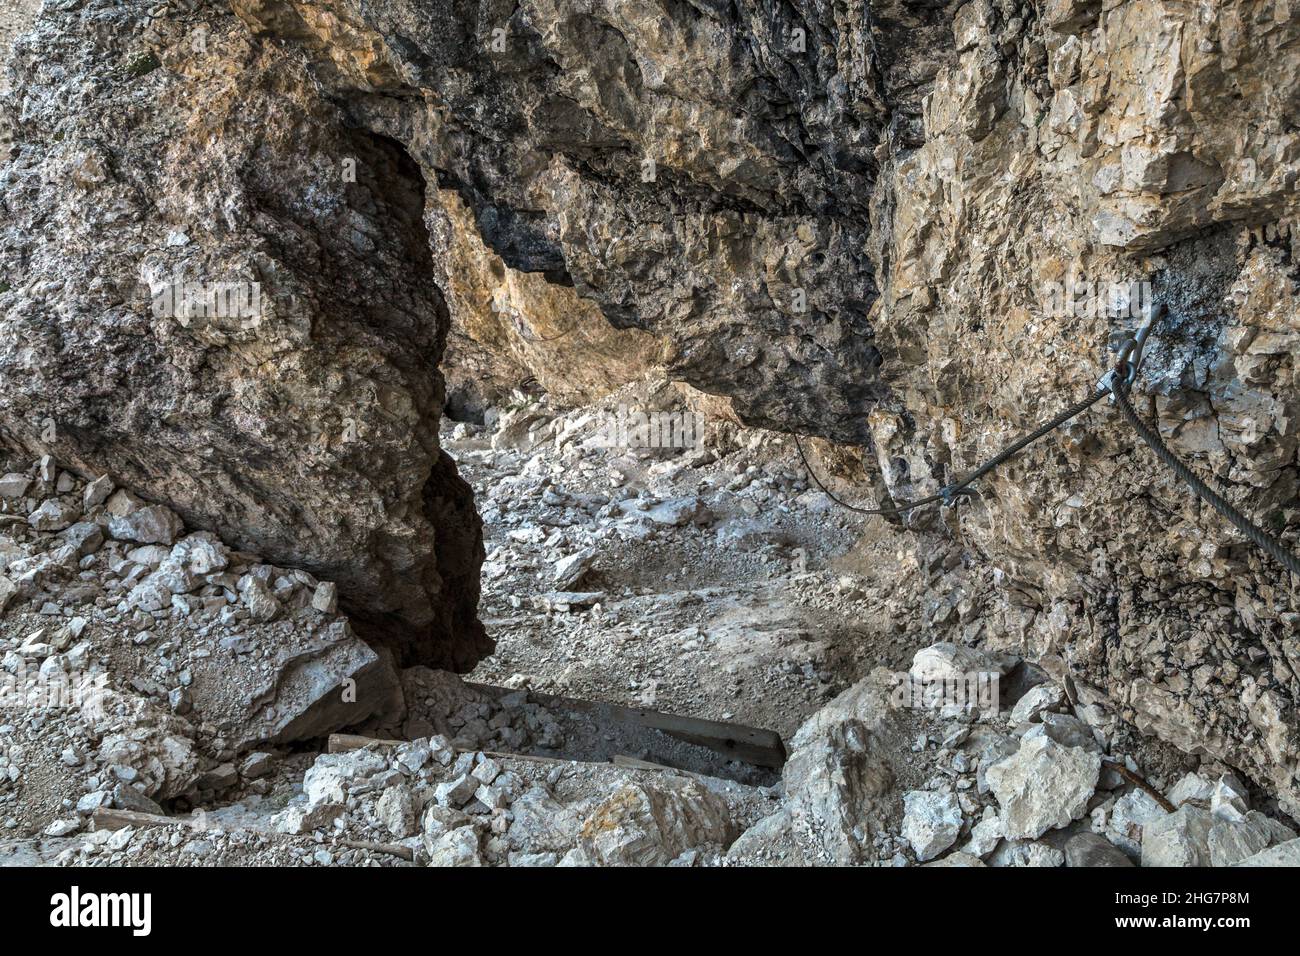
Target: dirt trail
(727, 589)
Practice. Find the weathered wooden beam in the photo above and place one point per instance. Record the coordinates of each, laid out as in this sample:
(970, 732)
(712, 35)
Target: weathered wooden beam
(342, 743)
(636, 763)
(752, 745)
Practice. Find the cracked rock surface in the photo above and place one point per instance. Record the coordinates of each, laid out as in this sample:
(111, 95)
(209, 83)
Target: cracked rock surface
(844, 221)
(304, 429)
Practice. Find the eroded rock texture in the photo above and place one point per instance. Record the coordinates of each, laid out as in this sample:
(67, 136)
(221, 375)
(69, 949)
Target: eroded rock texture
(510, 328)
(842, 217)
(688, 169)
(157, 148)
(1148, 142)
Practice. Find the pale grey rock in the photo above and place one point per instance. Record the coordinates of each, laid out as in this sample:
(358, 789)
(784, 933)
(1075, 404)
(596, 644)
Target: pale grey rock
(945, 661)
(62, 828)
(8, 590)
(541, 823)
(332, 777)
(652, 822)
(985, 835)
(1038, 699)
(149, 595)
(127, 797)
(1025, 853)
(149, 555)
(54, 514)
(14, 485)
(457, 847)
(838, 779)
(677, 512)
(494, 798)
(259, 599)
(1284, 854)
(1191, 787)
(1043, 786)
(1066, 730)
(1094, 850)
(570, 570)
(932, 822)
(1232, 840)
(438, 821)
(1132, 813)
(1229, 799)
(765, 839)
(256, 765)
(158, 751)
(398, 812)
(152, 524)
(325, 597)
(1178, 839)
(486, 770)
(456, 792)
(220, 777)
(299, 818)
(202, 553)
(85, 536)
(96, 492)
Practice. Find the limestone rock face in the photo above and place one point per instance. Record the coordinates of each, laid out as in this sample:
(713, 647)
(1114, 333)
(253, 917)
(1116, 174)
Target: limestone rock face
(511, 327)
(702, 173)
(1071, 143)
(867, 230)
(876, 223)
(295, 410)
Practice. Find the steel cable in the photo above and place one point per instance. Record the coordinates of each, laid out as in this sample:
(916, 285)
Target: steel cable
(1261, 538)
(948, 491)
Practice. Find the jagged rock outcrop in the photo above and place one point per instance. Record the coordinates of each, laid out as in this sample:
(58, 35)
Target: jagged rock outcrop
(510, 328)
(853, 221)
(699, 172)
(298, 416)
(1135, 143)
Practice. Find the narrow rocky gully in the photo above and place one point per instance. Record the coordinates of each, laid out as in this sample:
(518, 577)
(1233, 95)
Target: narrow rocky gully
(447, 433)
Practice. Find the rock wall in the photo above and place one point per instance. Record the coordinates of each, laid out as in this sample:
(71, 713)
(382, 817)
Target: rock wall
(511, 328)
(299, 422)
(844, 218)
(1142, 142)
(698, 172)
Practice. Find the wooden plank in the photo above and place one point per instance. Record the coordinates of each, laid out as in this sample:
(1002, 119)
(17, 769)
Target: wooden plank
(752, 745)
(636, 763)
(342, 743)
(106, 818)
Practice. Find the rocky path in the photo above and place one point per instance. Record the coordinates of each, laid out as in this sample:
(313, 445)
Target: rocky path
(169, 699)
(717, 583)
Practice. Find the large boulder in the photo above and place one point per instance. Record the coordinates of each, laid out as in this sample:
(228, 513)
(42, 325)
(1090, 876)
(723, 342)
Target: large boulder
(1042, 786)
(839, 778)
(652, 823)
